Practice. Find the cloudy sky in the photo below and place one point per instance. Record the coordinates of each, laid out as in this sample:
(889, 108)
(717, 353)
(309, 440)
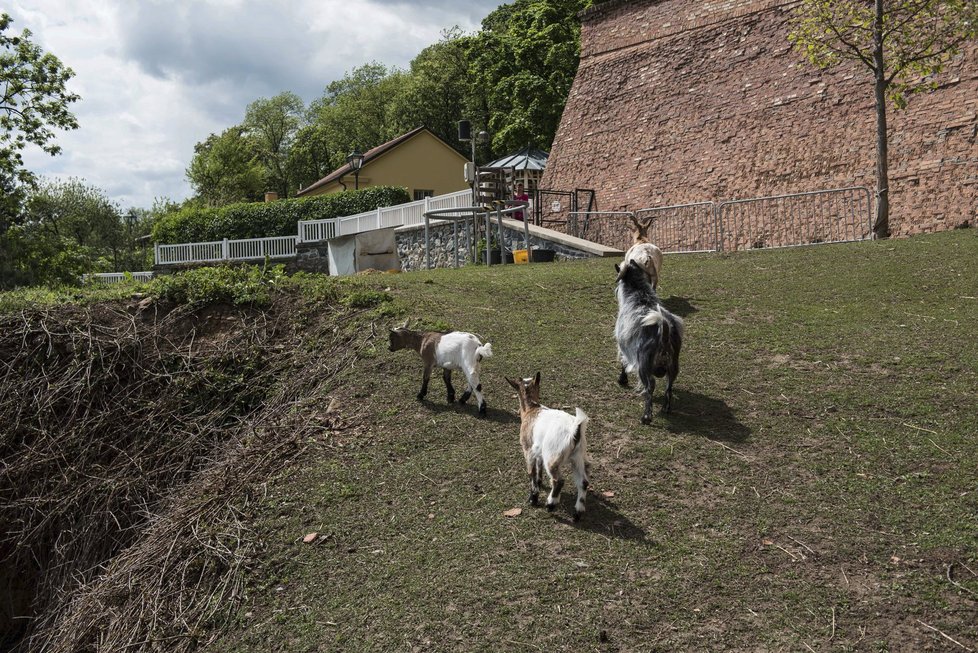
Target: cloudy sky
(156, 77)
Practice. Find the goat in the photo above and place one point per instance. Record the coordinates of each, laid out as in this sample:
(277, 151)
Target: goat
(643, 251)
(455, 350)
(649, 337)
(550, 438)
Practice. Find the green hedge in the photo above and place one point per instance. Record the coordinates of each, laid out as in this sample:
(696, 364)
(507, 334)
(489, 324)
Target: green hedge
(264, 219)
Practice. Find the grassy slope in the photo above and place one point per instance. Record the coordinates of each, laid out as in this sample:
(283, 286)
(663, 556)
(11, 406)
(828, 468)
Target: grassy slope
(811, 490)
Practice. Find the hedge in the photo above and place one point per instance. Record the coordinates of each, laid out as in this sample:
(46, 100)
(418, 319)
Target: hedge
(264, 219)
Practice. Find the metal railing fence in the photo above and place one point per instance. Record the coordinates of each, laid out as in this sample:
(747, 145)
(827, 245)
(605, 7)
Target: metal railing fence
(792, 220)
(825, 216)
(110, 278)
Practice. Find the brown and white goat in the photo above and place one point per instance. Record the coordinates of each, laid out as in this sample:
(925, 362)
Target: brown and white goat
(550, 438)
(455, 350)
(643, 251)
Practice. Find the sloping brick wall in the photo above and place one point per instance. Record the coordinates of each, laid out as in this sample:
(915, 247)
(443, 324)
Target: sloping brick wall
(688, 100)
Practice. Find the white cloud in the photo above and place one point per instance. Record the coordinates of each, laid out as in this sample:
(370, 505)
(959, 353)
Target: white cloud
(155, 78)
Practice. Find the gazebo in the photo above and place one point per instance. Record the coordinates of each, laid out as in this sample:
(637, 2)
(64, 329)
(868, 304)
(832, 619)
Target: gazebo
(527, 164)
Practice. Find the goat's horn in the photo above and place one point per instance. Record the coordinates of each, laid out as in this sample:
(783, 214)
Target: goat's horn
(406, 322)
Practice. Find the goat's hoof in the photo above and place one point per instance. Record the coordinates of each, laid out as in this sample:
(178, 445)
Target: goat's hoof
(482, 410)
(646, 419)
(464, 397)
(421, 397)
(551, 507)
(577, 516)
(534, 499)
(623, 380)
(451, 399)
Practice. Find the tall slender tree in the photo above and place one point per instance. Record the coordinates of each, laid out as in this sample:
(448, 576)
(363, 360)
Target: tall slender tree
(902, 43)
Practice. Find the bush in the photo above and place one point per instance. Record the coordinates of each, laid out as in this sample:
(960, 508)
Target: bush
(264, 219)
(243, 284)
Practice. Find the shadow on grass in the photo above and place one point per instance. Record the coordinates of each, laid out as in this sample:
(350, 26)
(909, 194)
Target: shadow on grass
(495, 415)
(600, 517)
(681, 306)
(693, 412)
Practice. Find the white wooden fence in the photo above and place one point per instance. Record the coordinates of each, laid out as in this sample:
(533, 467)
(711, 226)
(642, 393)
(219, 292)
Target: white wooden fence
(409, 214)
(226, 250)
(109, 278)
(402, 215)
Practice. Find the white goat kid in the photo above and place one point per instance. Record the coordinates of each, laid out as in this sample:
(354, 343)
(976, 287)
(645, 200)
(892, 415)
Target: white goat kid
(549, 439)
(455, 350)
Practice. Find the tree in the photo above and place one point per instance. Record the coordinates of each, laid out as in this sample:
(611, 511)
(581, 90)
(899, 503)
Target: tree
(356, 111)
(33, 102)
(903, 43)
(68, 229)
(227, 169)
(436, 91)
(273, 124)
(523, 63)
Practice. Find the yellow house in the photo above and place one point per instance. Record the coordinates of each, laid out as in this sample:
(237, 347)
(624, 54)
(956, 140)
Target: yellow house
(418, 160)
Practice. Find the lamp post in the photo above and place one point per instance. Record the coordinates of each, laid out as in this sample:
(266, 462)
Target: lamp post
(355, 159)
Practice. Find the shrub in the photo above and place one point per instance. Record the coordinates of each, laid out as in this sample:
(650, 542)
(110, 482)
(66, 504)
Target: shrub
(264, 219)
(242, 284)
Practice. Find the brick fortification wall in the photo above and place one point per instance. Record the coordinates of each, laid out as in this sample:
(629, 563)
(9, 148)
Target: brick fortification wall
(680, 101)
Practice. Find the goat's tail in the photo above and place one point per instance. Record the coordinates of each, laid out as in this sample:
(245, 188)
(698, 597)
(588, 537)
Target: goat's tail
(485, 351)
(580, 426)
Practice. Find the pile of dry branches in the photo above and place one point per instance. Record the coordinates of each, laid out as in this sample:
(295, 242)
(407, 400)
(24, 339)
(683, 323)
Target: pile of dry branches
(131, 438)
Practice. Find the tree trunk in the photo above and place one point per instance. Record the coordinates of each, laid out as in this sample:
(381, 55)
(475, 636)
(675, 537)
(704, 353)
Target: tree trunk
(881, 226)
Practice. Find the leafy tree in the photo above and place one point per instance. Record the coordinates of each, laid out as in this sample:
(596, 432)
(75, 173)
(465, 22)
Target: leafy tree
(227, 169)
(436, 92)
(272, 124)
(68, 229)
(33, 102)
(310, 158)
(903, 43)
(523, 63)
(356, 111)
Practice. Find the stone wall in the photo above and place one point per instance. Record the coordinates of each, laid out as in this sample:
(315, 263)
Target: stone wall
(680, 101)
(410, 246)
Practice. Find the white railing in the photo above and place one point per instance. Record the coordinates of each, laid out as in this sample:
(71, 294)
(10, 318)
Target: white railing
(410, 214)
(109, 278)
(402, 215)
(226, 250)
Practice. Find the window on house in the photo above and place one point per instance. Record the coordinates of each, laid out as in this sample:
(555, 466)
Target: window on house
(420, 194)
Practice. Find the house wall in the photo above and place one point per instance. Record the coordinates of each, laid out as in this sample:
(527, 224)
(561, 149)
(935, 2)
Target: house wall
(422, 162)
(681, 101)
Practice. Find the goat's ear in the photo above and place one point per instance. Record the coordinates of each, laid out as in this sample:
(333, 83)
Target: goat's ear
(620, 269)
(536, 380)
(513, 383)
(617, 269)
(646, 223)
(635, 221)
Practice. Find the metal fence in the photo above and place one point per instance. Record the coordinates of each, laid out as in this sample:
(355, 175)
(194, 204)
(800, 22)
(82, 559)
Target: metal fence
(825, 216)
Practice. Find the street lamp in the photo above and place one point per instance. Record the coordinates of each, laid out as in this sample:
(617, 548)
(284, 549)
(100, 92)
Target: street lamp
(355, 159)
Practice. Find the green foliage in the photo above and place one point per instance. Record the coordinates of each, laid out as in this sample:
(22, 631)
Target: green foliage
(272, 124)
(264, 219)
(225, 284)
(227, 169)
(523, 63)
(913, 38)
(355, 110)
(33, 101)
(365, 298)
(68, 229)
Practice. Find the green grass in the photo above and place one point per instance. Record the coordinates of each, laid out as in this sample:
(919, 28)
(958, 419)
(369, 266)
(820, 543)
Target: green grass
(811, 490)
(814, 488)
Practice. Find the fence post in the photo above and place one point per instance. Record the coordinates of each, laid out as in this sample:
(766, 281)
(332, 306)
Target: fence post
(156, 253)
(378, 217)
(225, 250)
